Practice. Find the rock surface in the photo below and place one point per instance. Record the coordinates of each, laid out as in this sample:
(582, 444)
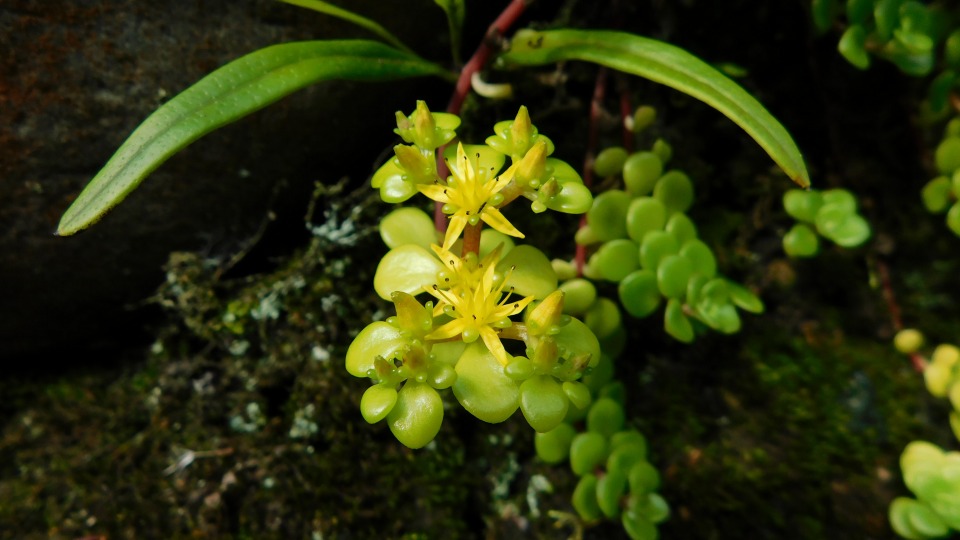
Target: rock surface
(76, 78)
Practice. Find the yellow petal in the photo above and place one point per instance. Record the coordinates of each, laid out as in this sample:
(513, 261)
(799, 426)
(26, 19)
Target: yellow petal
(454, 229)
(493, 217)
(436, 192)
(451, 329)
(493, 343)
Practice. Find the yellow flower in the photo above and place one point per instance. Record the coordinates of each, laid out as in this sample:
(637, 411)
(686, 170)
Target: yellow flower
(471, 196)
(478, 304)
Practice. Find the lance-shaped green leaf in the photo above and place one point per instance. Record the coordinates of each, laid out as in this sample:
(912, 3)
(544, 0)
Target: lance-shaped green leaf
(349, 16)
(669, 65)
(226, 95)
(456, 11)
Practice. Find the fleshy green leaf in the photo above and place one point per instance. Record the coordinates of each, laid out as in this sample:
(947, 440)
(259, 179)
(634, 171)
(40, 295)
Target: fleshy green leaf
(482, 387)
(669, 65)
(226, 95)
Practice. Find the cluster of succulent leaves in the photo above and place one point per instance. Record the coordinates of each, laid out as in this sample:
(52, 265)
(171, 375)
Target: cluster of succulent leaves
(646, 243)
(942, 194)
(932, 474)
(912, 35)
(831, 213)
(453, 341)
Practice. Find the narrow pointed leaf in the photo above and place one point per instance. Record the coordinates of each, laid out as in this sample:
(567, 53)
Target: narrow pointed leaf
(669, 65)
(349, 16)
(226, 95)
(456, 11)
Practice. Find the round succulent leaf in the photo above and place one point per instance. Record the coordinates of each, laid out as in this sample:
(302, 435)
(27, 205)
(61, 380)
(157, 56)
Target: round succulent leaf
(391, 168)
(543, 402)
(532, 274)
(643, 118)
(607, 216)
(946, 354)
(918, 453)
(947, 155)
(675, 190)
(638, 527)
(519, 369)
(609, 161)
(852, 46)
(578, 394)
(578, 295)
(886, 16)
(573, 198)
(926, 480)
(615, 342)
(629, 437)
(490, 239)
(694, 286)
(639, 293)
(563, 172)
(599, 375)
(394, 189)
(441, 376)
(801, 241)
(553, 446)
(587, 451)
(744, 298)
(673, 273)
(655, 246)
(853, 232)
(447, 352)
(482, 387)
(610, 489)
(840, 198)
(606, 417)
(655, 508)
(681, 227)
(585, 498)
(947, 506)
(640, 173)
(416, 418)
(645, 214)
(576, 339)
(676, 323)
(614, 390)
(915, 43)
(802, 205)
(900, 511)
(408, 226)
(951, 49)
(377, 402)
(377, 339)
(722, 317)
(937, 378)
(408, 269)
(700, 256)
(644, 478)
(831, 218)
(616, 258)
(625, 456)
(663, 150)
(603, 318)
(936, 194)
(585, 236)
(953, 218)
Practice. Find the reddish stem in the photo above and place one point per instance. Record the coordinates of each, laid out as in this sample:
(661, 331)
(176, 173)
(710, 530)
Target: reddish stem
(476, 62)
(919, 363)
(471, 240)
(596, 104)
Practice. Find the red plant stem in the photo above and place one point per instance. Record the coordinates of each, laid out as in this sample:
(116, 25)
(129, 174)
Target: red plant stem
(471, 240)
(919, 363)
(596, 104)
(476, 62)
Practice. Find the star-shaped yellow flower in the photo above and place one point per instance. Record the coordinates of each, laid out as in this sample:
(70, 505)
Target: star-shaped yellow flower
(479, 309)
(468, 195)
